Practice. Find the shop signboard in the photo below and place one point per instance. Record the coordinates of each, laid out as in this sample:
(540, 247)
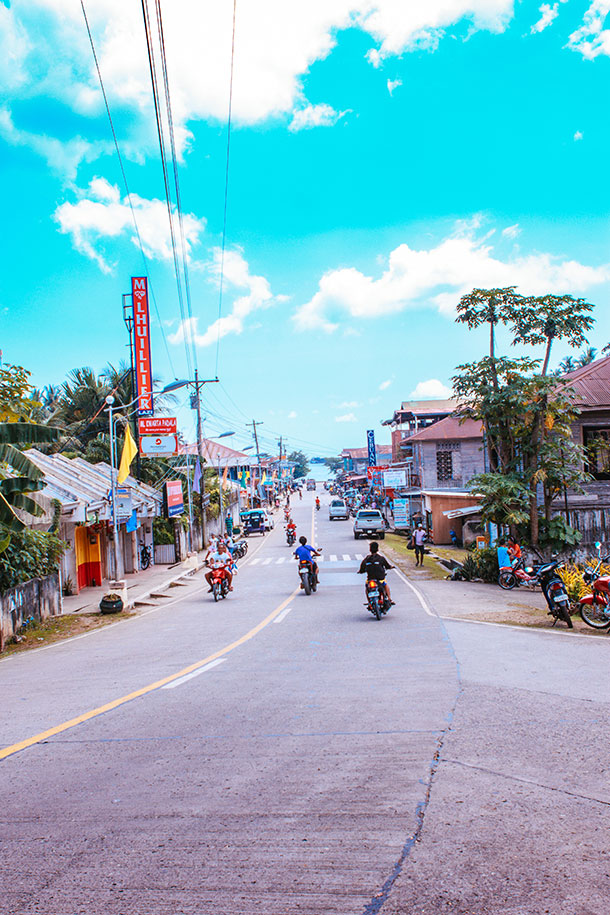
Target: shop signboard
(158, 425)
(158, 445)
(141, 348)
(174, 498)
(370, 443)
(124, 508)
(394, 479)
(401, 513)
(375, 475)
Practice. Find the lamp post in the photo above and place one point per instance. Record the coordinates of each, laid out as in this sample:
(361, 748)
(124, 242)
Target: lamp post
(118, 556)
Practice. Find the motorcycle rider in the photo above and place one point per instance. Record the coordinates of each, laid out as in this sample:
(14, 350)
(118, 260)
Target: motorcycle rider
(317, 501)
(307, 552)
(291, 527)
(220, 558)
(375, 566)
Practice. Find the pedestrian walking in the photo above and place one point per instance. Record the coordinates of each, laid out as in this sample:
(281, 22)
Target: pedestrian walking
(419, 538)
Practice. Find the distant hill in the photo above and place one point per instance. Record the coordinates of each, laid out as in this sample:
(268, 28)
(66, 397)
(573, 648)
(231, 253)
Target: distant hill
(316, 460)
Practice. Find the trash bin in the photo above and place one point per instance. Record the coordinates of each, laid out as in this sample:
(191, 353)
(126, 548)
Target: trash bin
(481, 543)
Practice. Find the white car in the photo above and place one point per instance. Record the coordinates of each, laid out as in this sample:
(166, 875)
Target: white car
(338, 509)
(269, 522)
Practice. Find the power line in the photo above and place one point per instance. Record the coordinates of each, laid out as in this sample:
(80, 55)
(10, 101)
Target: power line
(224, 220)
(127, 191)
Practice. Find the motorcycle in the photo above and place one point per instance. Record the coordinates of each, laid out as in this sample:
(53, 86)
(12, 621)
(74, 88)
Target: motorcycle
(307, 576)
(376, 599)
(595, 607)
(220, 584)
(550, 583)
(145, 556)
(290, 537)
(240, 549)
(317, 506)
(510, 578)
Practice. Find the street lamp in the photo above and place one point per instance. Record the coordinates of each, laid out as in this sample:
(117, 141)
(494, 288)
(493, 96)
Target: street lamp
(118, 556)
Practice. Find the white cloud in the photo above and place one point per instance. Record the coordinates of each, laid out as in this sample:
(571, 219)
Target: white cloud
(548, 15)
(346, 418)
(292, 414)
(578, 135)
(347, 404)
(385, 385)
(511, 231)
(44, 50)
(314, 116)
(432, 389)
(592, 39)
(393, 84)
(62, 156)
(101, 214)
(437, 278)
(257, 296)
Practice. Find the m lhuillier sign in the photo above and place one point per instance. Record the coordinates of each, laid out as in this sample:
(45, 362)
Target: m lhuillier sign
(141, 325)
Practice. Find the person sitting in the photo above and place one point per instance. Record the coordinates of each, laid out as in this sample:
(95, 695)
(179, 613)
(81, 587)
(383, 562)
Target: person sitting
(504, 560)
(291, 526)
(375, 566)
(219, 559)
(306, 552)
(514, 551)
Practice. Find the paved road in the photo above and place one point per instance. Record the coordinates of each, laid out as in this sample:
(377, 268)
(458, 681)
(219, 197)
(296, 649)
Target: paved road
(283, 751)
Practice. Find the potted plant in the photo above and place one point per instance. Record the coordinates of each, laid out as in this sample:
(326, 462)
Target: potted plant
(111, 603)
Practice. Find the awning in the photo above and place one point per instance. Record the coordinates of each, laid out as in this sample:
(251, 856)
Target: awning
(460, 512)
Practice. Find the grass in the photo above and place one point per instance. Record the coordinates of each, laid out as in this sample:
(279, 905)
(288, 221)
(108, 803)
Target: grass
(58, 628)
(400, 546)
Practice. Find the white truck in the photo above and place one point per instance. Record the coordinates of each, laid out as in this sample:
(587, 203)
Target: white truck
(369, 522)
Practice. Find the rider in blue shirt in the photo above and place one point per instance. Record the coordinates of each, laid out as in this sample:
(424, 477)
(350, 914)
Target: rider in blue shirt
(307, 552)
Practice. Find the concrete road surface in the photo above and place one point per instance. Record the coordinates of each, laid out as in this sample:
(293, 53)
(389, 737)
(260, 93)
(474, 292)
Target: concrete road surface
(283, 753)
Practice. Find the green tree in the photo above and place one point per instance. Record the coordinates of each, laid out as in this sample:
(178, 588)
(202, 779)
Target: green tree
(299, 458)
(334, 464)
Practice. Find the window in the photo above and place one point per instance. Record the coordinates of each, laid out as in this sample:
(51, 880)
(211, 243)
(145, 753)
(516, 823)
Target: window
(444, 465)
(596, 441)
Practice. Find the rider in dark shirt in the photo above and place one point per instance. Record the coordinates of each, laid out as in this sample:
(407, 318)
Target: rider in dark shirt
(375, 566)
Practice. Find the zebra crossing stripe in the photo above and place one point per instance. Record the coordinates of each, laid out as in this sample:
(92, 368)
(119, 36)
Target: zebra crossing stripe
(346, 557)
(281, 559)
(333, 558)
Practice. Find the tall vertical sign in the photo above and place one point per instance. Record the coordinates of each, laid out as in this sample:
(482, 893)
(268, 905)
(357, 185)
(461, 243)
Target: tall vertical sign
(370, 441)
(141, 326)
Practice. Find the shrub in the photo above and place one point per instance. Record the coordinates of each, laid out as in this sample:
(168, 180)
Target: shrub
(481, 564)
(30, 554)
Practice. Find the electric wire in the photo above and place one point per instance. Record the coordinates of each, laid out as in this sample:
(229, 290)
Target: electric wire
(127, 191)
(226, 195)
(168, 199)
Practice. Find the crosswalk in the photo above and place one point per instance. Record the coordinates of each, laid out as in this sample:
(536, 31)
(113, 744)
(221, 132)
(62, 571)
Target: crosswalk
(345, 557)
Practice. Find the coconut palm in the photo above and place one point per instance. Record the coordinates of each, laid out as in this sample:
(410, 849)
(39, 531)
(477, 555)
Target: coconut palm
(586, 357)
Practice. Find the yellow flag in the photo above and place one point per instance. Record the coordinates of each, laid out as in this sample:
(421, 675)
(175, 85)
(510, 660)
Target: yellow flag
(129, 452)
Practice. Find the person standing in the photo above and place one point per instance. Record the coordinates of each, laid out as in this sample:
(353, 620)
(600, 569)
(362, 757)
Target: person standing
(419, 538)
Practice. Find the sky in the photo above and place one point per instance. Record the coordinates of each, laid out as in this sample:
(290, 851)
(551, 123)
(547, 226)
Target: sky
(386, 156)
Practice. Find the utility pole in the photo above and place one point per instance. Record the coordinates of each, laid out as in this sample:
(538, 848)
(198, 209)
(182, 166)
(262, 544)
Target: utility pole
(196, 405)
(280, 465)
(254, 424)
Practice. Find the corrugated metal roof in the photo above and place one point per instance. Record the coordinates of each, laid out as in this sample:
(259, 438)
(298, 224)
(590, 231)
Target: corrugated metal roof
(591, 384)
(356, 453)
(449, 429)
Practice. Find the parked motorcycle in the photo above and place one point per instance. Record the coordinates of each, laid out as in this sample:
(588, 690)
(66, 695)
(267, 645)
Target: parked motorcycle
(307, 576)
(240, 549)
(376, 599)
(595, 607)
(145, 556)
(550, 583)
(220, 584)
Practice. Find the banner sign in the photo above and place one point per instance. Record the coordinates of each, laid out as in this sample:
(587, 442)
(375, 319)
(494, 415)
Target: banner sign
(375, 474)
(158, 445)
(174, 498)
(370, 441)
(401, 513)
(394, 479)
(141, 328)
(124, 507)
(158, 425)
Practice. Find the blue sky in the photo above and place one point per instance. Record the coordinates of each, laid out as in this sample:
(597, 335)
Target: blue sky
(386, 158)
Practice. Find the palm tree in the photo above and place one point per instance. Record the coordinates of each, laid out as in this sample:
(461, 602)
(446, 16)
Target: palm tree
(81, 405)
(567, 365)
(586, 357)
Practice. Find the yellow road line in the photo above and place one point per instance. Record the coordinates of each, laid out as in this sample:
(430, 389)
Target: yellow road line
(116, 703)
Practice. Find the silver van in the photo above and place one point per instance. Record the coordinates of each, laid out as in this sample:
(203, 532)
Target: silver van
(337, 509)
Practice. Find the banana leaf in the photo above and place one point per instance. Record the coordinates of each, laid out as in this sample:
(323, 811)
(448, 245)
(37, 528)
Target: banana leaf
(27, 433)
(22, 501)
(4, 543)
(20, 463)
(20, 484)
(8, 518)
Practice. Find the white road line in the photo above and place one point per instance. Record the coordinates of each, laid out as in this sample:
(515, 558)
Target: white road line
(333, 558)
(284, 613)
(346, 557)
(195, 673)
(254, 561)
(281, 559)
(359, 557)
(417, 593)
(267, 561)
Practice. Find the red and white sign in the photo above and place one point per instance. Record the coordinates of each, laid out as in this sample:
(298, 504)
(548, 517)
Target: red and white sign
(175, 498)
(158, 425)
(158, 445)
(141, 326)
(374, 473)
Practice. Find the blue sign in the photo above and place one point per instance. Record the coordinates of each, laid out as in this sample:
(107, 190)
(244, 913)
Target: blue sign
(370, 439)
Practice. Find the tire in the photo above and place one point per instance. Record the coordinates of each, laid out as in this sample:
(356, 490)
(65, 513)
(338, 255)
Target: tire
(306, 584)
(374, 601)
(314, 584)
(216, 591)
(145, 562)
(382, 536)
(563, 613)
(507, 580)
(356, 536)
(593, 615)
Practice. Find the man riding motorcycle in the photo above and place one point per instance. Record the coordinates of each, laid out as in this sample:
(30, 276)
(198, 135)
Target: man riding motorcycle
(317, 502)
(306, 552)
(375, 566)
(220, 558)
